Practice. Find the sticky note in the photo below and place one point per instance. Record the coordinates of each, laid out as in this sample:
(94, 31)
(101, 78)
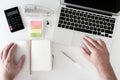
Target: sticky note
(36, 28)
(36, 24)
(36, 33)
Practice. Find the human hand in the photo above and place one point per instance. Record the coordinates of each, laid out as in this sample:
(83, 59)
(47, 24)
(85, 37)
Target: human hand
(8, 68)
(99, 56)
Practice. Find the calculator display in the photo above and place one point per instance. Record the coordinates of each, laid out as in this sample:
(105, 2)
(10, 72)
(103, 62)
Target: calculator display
(12, 13)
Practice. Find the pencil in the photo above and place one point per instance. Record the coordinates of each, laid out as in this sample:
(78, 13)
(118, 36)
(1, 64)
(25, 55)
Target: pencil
(30, 59)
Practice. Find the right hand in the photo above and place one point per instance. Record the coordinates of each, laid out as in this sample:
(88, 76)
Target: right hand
(98, 54)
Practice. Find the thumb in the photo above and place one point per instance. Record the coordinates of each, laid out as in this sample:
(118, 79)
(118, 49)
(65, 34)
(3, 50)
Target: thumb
(21, 62)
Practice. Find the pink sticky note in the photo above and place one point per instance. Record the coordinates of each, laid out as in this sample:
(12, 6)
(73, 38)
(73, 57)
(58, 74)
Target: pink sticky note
(36, 24)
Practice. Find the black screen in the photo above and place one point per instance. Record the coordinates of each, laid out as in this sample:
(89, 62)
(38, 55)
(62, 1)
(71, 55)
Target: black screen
(12, 13)
(106, 5)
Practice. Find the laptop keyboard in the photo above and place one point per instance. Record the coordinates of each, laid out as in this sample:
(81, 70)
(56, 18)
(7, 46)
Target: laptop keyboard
(86, 22)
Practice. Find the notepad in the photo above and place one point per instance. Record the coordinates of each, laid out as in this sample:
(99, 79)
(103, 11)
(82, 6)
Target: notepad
(38, 55)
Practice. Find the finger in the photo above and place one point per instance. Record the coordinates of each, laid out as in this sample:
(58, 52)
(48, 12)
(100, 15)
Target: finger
(6, 50)
(1, 55)
(11, 52)
(21, 62)
(88, 45)
(92, 41)
(85, 53)
(102, 43)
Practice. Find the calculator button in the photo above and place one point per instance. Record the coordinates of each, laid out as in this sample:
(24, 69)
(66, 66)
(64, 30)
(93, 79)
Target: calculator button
(11, 28)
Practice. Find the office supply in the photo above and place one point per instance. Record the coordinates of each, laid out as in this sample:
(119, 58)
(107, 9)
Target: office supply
(78, 18)
(36, 28)
(14, 19)
(38, 55)
(77, 64)
(68, 57)
(32, 9)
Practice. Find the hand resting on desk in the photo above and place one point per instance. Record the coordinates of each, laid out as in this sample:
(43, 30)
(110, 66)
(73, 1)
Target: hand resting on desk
(99, 57)
(8, 68)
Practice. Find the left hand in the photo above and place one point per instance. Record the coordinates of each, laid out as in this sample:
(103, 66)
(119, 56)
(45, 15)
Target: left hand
(8, 68)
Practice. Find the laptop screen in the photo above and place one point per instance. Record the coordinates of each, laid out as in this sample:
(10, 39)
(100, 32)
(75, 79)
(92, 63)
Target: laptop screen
(106, 5)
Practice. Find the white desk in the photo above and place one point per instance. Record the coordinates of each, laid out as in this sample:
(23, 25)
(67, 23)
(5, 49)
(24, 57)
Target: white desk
(63, 68)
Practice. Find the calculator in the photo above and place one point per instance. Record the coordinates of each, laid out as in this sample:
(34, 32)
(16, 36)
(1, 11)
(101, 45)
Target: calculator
(14, 19)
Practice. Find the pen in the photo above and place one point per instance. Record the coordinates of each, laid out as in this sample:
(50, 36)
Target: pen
(71, 59)
(68, 57)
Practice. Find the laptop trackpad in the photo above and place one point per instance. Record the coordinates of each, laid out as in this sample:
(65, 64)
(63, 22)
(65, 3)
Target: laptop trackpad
(63, 36)
(77, 38)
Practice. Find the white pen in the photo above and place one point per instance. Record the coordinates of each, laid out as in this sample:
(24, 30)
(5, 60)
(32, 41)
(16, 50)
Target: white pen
(71, 59)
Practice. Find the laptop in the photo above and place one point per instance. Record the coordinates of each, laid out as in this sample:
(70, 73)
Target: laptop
(94, 18)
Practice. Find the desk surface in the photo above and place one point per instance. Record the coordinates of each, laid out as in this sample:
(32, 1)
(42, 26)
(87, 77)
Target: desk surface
(63, 68)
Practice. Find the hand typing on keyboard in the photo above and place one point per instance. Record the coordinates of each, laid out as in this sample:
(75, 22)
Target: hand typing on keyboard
(99, 57)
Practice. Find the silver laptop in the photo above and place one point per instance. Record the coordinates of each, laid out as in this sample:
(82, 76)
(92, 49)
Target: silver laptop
(94, 18)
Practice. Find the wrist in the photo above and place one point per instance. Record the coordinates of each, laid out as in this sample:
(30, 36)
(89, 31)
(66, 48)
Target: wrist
(103, 65)
(106, 72)
(6, 77)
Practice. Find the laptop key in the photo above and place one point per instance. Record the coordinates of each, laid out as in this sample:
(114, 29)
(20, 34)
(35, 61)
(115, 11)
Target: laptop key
(62, 14)
(70, 12)
(62, 18)
(71, 28)
(112, 20)
(106, 35)
(102, 30)
(81, 14)
(59, 25)
(112, 26)
(60, 21)
(71, 16)
(83, 30)
(67, 27)
(99, 33)
(91, 28)
(94, 32)
(109, 28)
(76, 25)
(65, 22)
(72, 24)
(110, 36)
(83, 26)
(109, 32)
(63, 26)
(67, 15)
(79, 26)
(68, 23)
(62, 10)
